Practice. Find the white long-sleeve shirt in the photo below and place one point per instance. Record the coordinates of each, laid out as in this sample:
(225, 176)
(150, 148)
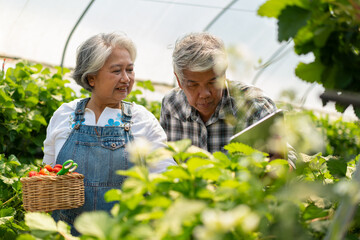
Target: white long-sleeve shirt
(144, 125)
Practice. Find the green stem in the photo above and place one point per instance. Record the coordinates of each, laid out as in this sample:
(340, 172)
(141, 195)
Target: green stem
(9, 200)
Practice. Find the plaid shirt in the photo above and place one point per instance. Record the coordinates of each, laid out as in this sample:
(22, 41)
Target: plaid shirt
(240, 106)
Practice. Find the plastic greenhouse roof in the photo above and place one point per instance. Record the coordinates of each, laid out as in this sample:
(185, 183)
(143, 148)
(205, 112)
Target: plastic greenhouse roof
(38, 30)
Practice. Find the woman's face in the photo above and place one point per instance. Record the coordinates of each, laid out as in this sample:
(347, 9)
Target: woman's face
(115, 79)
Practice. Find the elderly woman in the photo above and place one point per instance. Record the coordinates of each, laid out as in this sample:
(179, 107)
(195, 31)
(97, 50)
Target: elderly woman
(94, 131)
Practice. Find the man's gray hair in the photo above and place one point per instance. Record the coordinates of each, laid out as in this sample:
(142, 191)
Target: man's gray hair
(199, 52)
(93, 53)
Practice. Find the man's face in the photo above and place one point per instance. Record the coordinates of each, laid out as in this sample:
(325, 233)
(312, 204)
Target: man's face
(203, 91)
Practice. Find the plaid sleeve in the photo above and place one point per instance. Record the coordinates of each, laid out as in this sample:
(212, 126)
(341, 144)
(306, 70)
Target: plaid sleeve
(164, 118)
(259, 108)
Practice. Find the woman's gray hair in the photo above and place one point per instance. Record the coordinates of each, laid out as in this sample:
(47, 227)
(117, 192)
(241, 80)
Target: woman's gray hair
(93, 53)
(199, 52)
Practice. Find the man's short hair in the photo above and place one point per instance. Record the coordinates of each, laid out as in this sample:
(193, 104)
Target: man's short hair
(199, 52)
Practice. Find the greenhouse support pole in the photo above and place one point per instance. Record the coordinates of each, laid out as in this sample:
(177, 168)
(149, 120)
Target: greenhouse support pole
(219, 15)
(71, 33)
(214, 20)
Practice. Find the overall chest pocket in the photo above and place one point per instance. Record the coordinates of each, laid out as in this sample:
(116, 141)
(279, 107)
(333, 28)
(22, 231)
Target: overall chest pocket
(112, 143)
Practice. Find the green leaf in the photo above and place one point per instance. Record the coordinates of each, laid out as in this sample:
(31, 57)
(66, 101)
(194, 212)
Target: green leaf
(31, 101)
(135, 172)
(46, 71)
(5, 212)
(238, 147)
(343, 79)
(5, 99)
(113, 195)
(209, 173)
(291, 20)
(37, 67)
(357, 111)
(199, 152)
(7, 233)
(322, 34)
(65, 230)
(312, 212)
(340, 107)
(13, 160)
(317, 162)
(146, 85)
(62, 71)
(304, 40)
(310, 72)
(4, 220)
(149, 216)
(159, 201)
(7, 180)
(95, 224)
(337, 167)
(177, 173)
(194, 164)
(159, 155)
(36, 117)
(33, 88)
(40, 221)
(230, 183)
(181, 210)
(273, 8)
(26, 236)
(329, 77)
(179, 146)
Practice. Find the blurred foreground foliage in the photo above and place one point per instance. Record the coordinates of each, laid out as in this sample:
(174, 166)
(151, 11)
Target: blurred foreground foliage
(239, 195)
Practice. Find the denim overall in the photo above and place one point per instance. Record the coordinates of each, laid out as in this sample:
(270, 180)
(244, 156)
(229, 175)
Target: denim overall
(99, 153)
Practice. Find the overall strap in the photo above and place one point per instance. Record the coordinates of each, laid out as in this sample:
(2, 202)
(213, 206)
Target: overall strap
(126, 109)
(80, 110)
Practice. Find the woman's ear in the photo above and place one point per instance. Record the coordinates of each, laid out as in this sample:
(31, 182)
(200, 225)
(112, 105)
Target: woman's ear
(91, 79)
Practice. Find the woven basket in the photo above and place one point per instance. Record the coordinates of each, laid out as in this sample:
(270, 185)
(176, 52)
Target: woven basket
(48, 193)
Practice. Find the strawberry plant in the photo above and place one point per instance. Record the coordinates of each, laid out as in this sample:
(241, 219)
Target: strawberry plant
(239, 195)
(29, 95)
(11, 210)
(342, 137)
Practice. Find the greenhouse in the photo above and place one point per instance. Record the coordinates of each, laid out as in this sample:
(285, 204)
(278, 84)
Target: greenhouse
(260, 140)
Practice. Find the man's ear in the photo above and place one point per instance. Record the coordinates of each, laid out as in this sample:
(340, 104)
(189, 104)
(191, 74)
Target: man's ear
(178, 81)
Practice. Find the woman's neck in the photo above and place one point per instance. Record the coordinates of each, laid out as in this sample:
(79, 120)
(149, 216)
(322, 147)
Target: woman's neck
(98, 107)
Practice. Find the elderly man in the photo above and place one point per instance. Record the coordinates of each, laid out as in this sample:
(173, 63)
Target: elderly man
(206, 107)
